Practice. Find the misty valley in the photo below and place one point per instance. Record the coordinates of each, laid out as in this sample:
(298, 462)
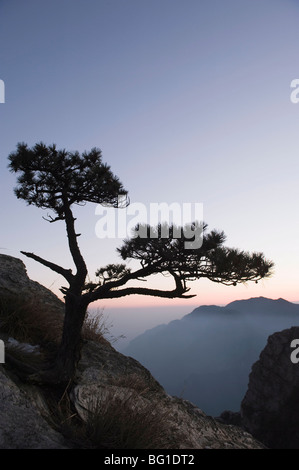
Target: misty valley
(206, 357)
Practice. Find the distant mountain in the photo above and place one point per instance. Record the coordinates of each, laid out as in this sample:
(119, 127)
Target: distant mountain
(206, 357)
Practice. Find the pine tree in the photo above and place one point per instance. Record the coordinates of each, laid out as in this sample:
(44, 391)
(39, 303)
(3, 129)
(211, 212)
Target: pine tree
(57, 180)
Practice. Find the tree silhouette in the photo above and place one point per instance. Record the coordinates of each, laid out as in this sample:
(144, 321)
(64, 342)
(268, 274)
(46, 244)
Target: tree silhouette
(57, 180)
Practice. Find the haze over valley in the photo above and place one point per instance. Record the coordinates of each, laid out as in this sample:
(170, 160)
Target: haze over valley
(206, 357)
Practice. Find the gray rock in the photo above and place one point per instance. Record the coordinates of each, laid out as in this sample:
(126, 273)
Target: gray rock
(270, 408)
(15, 281)
(106, 377)
(21, 423)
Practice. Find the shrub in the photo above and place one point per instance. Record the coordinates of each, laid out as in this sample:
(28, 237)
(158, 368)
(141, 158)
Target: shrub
(29, 320)
(129, 423)
(95, 327)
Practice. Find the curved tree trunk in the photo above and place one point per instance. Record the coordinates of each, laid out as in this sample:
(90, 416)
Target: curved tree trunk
(68, 354)
(69, 351)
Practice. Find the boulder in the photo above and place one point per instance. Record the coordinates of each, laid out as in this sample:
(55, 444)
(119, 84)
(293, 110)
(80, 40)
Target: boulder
(22, 425)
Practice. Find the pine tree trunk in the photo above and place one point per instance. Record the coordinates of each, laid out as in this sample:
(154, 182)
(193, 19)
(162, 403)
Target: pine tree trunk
(68, 354)
(69, 351)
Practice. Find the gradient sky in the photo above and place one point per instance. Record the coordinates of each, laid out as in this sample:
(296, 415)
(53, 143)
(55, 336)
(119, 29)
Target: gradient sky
(189, 101)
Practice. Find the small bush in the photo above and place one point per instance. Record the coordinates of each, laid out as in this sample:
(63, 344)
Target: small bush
(96, 328)
(127, 424)
(28, 320)
(61, 415)
(118, 422)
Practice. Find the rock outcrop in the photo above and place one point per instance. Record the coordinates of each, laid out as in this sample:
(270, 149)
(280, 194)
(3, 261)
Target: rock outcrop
(21, 424)
(106, 376)
(14, 281)
(270, 408)
(115, 388)
(125, 392)
(24, 303)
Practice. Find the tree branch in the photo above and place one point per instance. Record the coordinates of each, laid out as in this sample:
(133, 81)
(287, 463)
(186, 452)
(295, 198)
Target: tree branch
(66, 273)
(145, 291)
(52, 219)
(110, 290)
(110, 285)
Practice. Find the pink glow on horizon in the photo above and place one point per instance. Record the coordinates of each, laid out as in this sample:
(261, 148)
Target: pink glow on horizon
(205, 298)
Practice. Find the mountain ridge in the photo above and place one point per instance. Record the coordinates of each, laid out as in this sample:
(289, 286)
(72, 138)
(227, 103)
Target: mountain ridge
(206, 356)
(237, 304)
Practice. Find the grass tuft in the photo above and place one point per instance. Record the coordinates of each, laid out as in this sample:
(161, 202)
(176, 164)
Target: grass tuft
(127, 423)
(29, 320)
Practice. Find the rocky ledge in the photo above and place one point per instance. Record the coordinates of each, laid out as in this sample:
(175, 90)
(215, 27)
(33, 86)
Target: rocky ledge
(112, 390)
(121, 389)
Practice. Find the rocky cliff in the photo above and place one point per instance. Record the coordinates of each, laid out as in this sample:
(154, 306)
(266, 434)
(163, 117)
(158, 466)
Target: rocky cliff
(133, 409)
(114, 401)
(270, 408)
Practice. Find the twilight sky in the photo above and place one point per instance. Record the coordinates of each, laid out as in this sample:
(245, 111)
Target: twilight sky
(189, 101)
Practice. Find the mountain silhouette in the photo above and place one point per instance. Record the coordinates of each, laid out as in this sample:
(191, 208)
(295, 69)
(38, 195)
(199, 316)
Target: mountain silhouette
(206, 357)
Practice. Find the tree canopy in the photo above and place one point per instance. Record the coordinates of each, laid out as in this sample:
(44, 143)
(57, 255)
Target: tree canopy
(50, 178)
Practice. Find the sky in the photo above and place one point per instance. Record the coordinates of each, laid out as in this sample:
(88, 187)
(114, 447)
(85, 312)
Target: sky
(189, 101)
